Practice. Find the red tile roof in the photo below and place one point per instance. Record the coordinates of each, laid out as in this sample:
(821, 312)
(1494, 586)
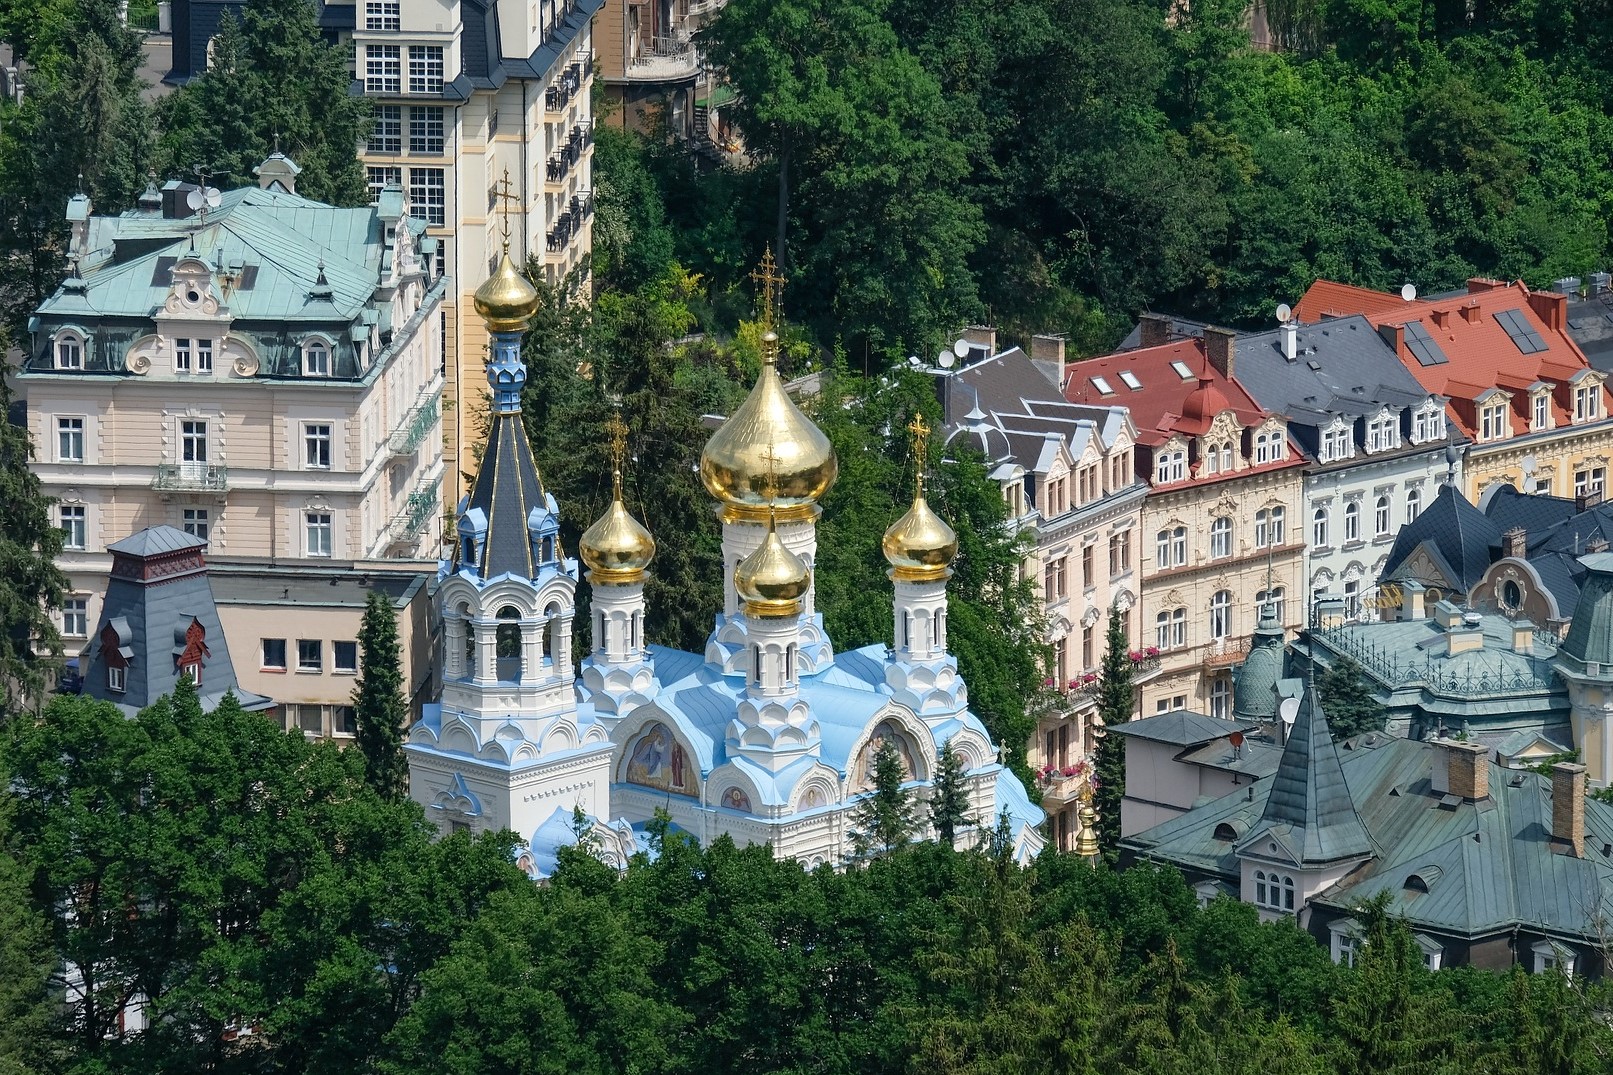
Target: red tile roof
(1165, 403)
(1479, 351)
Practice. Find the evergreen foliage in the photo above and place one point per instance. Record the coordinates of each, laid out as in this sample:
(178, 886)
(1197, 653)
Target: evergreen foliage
(886, 817)
(380, 710)
(1348, 701)
(1117, 704)
(949, 797)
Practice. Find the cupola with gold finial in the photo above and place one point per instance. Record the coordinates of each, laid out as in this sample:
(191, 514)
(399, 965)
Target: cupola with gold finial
(506, 301)
(733, 464)
(772, 580)
(617, 548)
(920, 545)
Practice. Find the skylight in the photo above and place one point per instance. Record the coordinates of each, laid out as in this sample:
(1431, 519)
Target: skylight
(1181, 370)
(1422, 345)
(1102, 386)
(1522, 332)
(1130, 380)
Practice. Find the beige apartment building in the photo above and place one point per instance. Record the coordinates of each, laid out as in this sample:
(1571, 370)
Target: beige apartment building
(1068, 471)
(655, 78)
(262, 374)
(1221, 532)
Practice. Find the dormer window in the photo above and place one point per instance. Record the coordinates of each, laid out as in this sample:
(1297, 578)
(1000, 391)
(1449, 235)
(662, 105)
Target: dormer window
(1335, 444)
(1588, 403)
(1171, 466)
(1542, 412)
(117, 679)
(1218, 458)
(316, 358)
(1428, 424)
(1383, 432)
(69, 351)
(1493, 420)
(1271, 446)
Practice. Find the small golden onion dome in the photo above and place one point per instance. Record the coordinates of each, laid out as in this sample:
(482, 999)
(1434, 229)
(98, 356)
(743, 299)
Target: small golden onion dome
(920, 545)
(768, 452)
(617, 548)
(505, 300)
(772, 580)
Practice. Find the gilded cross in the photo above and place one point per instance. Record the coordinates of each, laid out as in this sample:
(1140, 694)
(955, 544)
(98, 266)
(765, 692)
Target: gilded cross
(771, 281)
(920, 429)
(503, 192)
(617, 429)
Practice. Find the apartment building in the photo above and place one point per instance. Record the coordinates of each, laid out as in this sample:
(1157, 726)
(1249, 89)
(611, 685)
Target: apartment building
(654, 76)
(483, 117)
(1220, 527)
(262, 374)
(1533, 409)
(1071, 468)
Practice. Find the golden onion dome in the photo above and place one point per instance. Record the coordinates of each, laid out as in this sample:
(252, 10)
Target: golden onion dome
(505, 300)
(617, 548)
(772, 580)
(768, 453)
(920, 545)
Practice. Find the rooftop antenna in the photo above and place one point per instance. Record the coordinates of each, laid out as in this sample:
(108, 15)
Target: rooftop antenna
(1285, 312)
(203, 198)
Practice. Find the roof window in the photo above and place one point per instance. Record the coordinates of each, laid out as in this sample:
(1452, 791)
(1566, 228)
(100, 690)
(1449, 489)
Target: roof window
(1130, 380)
(1523, 334)
(1102, 386)
(1422, 345)
(1181, 370)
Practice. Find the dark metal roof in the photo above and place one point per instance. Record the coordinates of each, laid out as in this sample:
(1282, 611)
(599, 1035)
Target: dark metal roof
(1182, 728)
(507, 490)
(1459, 532)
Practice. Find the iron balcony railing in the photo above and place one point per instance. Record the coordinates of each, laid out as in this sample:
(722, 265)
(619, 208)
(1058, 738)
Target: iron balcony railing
(1481, 675)
(417, 423)
(418, 508)
(204, 477)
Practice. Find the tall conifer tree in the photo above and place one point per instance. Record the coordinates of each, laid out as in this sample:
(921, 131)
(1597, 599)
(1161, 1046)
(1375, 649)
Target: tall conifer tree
(949, 801)
(1116, 705)
(380, 708)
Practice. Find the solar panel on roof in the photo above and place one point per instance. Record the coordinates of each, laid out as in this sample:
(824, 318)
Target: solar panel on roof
(1182, 371)
(1130, 379)
(1422, 345)
(1102, 386)
(1523, 334)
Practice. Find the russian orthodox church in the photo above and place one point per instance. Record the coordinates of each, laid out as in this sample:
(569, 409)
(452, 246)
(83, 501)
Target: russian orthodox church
(768, 736)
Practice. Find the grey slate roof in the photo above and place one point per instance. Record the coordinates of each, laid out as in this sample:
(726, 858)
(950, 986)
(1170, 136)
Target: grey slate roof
(149, 614)
(1181, 728)
(1590, 323)
(507, 490)
(1457, 531)
(1590, 636)
(1308, 806)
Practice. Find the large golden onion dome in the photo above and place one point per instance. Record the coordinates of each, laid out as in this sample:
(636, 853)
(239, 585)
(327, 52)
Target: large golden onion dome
(772, 580)
(920, 545)
(768, 453)
(617, 548)
(505, 300)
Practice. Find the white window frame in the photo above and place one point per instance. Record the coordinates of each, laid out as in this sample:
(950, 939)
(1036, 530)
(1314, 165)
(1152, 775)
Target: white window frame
(70, 439)
(1590, 481)
(204, 356)
(1321, 527)
(196, 522)
(319, 533)
(74, 522)
(1542, 411)
(1221, 614)
(1587, 402)
(76, 617)
(382, 15)
(69, 350)
(1414, 504)
(1492, 421)
(1270, 524)
(427, 130)
(383, 68)
(313, 665)
(316, 358)
(386, 131)
(1170, 628)
(1220, 538)
(1221, 698)
(1382, 516)
(117, 679)
(182, 354)
(336, 661)
(426, 68)
(1274, 891)
(317, 439)
(379, 177)
(428, 195)
(1352, 521)
(1277, 597)
(1346, 942)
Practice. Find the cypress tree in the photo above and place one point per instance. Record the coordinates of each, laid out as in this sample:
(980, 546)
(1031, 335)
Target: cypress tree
(1116, 705)
(949, 803)
(380, 708)
(884, 818)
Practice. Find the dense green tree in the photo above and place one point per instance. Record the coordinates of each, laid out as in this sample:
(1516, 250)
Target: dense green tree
(885, 816)
(26, 1006)
(1117, 704)
(380, 711)
(273, 80)
(1348, 701)
(949, 797)
(633, 243)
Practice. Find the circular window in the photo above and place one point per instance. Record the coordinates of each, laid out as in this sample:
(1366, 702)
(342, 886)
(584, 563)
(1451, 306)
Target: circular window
(193, 296)
(1511, 595)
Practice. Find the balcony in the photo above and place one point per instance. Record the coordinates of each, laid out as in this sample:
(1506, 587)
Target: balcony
(664, 59)
(420, 420)
(1222, 652)
(559, 165)
(418, 509)
(192, 477)
(1063, 785)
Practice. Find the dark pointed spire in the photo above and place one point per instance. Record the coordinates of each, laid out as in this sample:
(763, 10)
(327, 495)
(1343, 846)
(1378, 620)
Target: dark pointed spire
(1309, 807)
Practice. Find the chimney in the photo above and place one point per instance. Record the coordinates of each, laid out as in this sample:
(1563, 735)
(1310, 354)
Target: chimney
(1447, 614)
(1153, 330)
(1290, 335)
(1523, 637)
(1467, 769)
(1413, 600)
(1467, 636)
(1328, 611)
(1393, 335)
(1476, 284)
(1568, 807)
(1047, 355)
(1515, 542)
(982, 336)
(1550, 308)
(1220, 347)
(1442, 318)
(1470, 312)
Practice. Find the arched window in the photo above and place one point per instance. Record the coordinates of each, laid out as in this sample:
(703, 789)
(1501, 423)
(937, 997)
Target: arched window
(1276, 597)
(1414, 504)
(69, 351)
(1221, 614)
(316, 358)
(509, 644)
(1170, 628)
(1220, 538)
(547, 555)
(551, 616)
(1269, 525)
(1352, 521)
(907, 628)
(1321, 525)
(1179, 545)
(1380, 517)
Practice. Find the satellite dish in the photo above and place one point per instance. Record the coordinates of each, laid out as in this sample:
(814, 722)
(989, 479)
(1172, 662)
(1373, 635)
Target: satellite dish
(1408, 292)
(1236, 739)
(195, 199)
(1284, 312)
(214, 198)
(961, 348)
(946, 358)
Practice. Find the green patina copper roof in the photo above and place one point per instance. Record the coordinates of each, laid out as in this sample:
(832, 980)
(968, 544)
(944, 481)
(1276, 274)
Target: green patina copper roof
(1590, 634)
(1255, 691)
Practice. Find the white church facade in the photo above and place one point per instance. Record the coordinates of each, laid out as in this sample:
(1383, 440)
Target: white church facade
(768, 736)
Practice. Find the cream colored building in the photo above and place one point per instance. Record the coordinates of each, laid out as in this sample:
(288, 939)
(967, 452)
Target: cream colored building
(655, 78)
(264, 375)
(482, 109)
(1221, 531)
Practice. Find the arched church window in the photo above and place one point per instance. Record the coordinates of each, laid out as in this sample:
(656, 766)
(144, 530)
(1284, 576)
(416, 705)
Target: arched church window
(907, 628)
(789, 662)
(756, 664)
(551, 627)
(548, 550)
(508, 644)
(637, 625)
(468, 550)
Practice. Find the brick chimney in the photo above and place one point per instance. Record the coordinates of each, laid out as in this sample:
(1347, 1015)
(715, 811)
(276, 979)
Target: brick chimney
(1221, 348)
(1153, 330)
(1393, 335)
(1515, 542)
(982, 336)
(1047, 355)
(1568, 807)
(1550, 308)
(1467, 769)
(1476, 284)
(1470, 313)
